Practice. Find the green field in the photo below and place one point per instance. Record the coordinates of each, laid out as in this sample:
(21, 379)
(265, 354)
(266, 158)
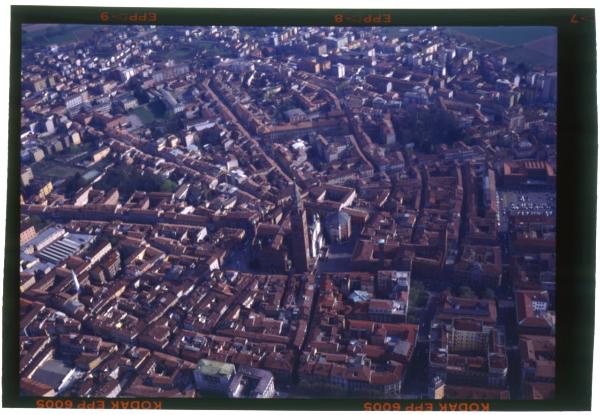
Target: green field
(54, 170)
(213, 48)
(507, 35)
(188, 51)
(48, 34)
(183, 53)
(516, 43)
(528, 56)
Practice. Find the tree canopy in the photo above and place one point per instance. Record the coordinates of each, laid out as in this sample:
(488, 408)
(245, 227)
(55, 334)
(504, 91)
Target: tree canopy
(418, 296)
(430, 127)
(73, 184)
(127, 180)
(464, 291)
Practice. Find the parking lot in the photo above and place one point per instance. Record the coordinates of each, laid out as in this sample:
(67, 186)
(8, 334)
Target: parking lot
(525, 204)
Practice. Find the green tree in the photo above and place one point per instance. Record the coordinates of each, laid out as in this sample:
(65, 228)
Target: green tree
(127, 180)
(430, 127)
(489, 294)
(73, 184)
(175, 124)
(36, 221)
(343, 88)
(167, 185)
(465, 291)
(418, 296)
(210, 135)
(522, 68)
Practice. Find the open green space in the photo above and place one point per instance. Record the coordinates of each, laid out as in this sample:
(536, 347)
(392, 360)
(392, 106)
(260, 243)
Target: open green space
(519, 54)
(514, 42)
(427, 128)
(507, 35)
(185, 52)
(58, 34)
(128, 180)
(212, 48)
(182, 53)
(54, 169)
(80, 149)
(144, 114)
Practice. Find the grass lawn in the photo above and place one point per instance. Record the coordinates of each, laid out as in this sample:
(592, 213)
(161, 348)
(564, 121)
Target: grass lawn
(54, 170)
